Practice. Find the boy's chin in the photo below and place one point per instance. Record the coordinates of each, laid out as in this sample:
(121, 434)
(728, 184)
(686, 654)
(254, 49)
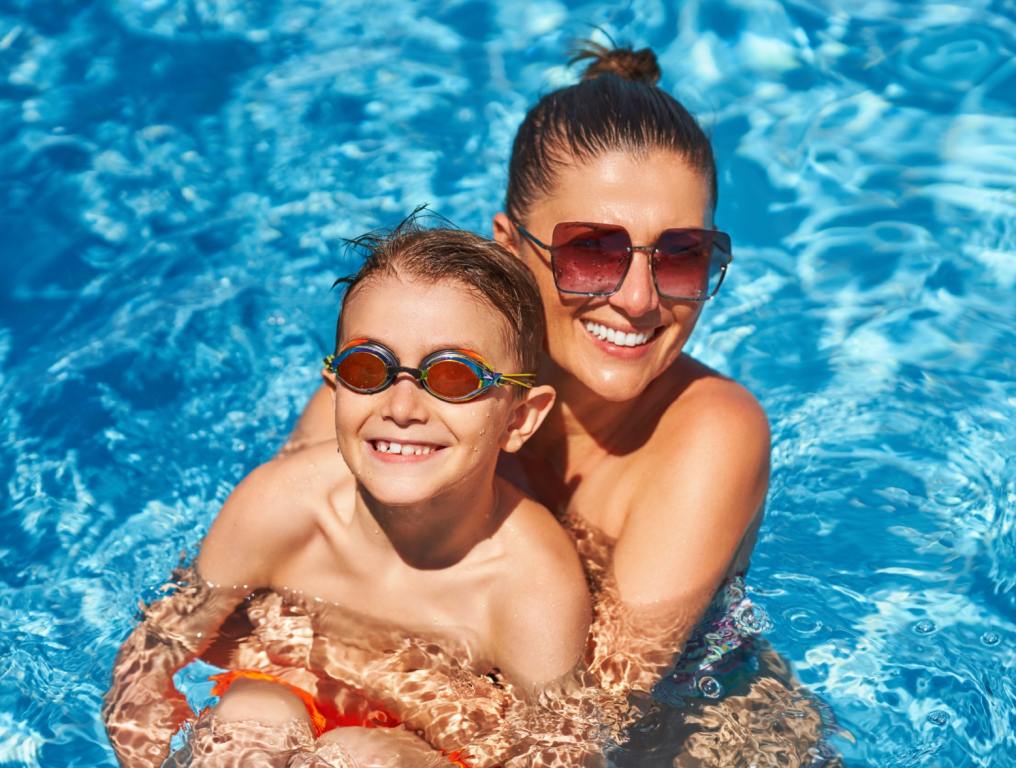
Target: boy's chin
(397, 494)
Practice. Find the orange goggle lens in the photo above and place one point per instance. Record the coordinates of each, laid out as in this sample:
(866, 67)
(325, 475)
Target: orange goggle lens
(452, 379)
(362, 370)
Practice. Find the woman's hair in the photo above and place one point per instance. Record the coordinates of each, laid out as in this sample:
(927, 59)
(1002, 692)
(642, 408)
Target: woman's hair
(615, 107)
(481, 266)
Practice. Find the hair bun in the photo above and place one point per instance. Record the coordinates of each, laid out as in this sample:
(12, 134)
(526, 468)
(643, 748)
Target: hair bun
(629, 64)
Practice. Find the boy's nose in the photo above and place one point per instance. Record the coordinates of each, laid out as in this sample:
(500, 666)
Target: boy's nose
(404, 401)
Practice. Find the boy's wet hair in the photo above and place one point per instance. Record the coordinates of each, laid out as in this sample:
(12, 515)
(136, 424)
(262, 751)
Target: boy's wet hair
(446, 255)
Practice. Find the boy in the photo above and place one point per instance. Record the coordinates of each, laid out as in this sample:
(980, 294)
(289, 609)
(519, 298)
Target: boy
(409, 532)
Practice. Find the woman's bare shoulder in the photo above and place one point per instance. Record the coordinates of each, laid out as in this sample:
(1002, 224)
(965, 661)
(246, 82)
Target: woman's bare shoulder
(703, 399)
(712, 427)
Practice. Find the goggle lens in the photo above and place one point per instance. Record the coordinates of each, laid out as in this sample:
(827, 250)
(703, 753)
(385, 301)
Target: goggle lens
(363, 370)
(452, 379)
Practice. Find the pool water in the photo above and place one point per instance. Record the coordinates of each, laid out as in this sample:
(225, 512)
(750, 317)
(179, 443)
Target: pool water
(177, 178)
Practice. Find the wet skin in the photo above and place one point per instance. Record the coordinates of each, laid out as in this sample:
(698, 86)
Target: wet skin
(663, 455)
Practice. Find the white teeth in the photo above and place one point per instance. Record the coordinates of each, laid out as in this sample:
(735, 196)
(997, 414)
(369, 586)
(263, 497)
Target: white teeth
(403, 449)
(620, 338)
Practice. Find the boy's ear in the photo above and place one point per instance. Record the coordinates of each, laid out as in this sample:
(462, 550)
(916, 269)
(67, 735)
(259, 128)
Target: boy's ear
(329, 378)
(530, 411)
(504, 232)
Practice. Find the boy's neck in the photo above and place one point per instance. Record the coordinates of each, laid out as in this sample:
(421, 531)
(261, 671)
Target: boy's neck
(439, 532)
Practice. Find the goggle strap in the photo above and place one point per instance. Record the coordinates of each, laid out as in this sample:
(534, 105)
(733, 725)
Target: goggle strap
(518, 379)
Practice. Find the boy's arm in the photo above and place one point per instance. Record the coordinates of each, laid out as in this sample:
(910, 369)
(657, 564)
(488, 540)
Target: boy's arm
(143, 709)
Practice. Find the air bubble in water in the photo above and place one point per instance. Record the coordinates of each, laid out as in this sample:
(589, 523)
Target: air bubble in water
(938, 717)
(924, 627)
(991, 638)
(751, 619)
(711, 687)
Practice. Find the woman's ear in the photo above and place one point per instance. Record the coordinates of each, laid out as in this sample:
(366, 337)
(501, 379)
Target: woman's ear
(504, 232)
(529, 413)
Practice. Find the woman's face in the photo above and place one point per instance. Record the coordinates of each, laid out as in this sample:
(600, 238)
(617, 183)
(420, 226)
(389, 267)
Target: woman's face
(646, 195)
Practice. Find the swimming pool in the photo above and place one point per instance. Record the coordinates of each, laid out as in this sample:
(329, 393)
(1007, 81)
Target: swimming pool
(176, 178)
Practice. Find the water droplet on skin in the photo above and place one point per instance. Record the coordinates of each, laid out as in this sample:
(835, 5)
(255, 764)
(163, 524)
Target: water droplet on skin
(710, 687)
(938, 717)
(991, 638)
(924, 627)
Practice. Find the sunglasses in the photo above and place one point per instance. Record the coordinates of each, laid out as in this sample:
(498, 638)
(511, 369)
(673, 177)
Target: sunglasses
(452, 375)
(593, 259)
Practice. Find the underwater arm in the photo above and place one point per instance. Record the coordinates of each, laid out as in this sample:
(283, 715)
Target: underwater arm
(142, 708)
(540, 628)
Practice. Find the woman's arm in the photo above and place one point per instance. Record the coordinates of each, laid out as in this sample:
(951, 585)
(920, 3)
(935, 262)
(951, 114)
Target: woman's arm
(693, 504)
(317, 422)
(143, 710)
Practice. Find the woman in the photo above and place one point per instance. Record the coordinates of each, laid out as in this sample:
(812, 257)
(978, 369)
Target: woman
(658, 464)
(664, 458)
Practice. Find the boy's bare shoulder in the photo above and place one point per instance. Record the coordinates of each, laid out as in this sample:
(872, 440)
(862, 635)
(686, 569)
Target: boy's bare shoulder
(269, 517)
(543, 605)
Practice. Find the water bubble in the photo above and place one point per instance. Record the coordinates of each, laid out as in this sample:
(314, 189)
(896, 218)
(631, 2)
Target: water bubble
(803, 622)
(711, 687)
(924, 627)
(751, 619)
(938, 717)
(991, 638)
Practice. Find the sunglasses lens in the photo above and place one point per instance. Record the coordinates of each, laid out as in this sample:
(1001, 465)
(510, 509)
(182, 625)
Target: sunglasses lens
(452, 379)
(689, 262)
(362, 370)
(590, 258)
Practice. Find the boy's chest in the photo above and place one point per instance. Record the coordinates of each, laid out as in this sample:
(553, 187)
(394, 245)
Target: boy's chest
(351, 604)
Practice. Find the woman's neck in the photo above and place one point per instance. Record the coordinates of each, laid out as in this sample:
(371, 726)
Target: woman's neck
(582, 418)
(436, 533)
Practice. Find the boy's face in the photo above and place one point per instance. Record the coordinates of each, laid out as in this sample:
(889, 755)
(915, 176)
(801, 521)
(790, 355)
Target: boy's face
(445, 446)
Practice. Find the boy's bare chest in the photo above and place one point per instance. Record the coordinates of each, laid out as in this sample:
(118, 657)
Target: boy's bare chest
(349, 589)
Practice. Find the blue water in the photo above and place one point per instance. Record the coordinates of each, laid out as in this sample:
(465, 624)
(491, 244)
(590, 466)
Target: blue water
(176, 179)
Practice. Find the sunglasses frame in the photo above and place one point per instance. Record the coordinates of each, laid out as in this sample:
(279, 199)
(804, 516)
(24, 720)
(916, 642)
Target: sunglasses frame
(651, 249)
(486, 376)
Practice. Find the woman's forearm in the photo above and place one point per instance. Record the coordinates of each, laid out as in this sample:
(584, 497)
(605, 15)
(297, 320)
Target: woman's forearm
(316, 424)
(143, 709)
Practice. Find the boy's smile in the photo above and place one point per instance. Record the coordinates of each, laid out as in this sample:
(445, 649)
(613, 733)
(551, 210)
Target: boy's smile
(404, 445)
(393, 450)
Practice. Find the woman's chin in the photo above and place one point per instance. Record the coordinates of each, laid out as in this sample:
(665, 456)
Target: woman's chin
(617, 387)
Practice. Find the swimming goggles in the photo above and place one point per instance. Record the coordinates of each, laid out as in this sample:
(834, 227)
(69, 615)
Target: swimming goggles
(593, 259)
(452, 375)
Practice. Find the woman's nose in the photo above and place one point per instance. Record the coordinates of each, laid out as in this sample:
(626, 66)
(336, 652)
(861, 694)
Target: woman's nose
(637, 295)
(404, 401)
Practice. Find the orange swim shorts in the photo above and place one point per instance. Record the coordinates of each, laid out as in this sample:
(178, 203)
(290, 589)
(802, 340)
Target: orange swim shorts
(324, 716)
